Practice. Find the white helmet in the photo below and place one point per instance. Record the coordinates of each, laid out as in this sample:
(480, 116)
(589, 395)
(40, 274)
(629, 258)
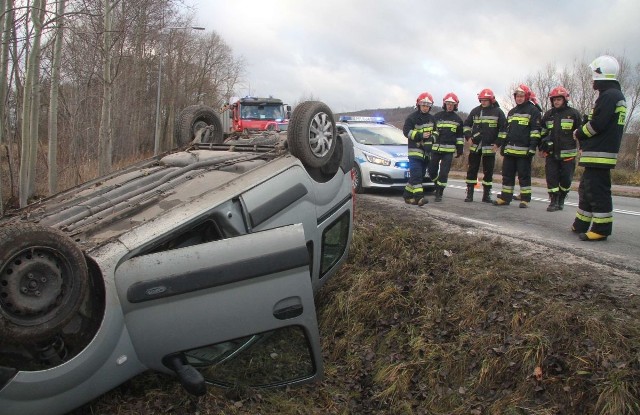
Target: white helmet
(605, 68)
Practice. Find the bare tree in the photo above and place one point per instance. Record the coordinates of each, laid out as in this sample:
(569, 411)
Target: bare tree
(542, 82)
(105, 143)
(53, 99)
(632, 124)
(4, 63)
(87, 130)
(30, 108)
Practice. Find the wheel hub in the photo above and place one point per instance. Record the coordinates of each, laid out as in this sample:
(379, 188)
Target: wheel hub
(31, 286)
(320, 135)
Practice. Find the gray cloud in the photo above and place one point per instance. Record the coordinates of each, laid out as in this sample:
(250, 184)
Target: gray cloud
(356, 54)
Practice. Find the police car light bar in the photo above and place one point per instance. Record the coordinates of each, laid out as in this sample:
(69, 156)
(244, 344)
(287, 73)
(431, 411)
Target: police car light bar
(350, 118)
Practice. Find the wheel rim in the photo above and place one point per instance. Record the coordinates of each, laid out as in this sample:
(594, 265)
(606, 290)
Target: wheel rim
(320, 134)
(33, 285)
(198, 125)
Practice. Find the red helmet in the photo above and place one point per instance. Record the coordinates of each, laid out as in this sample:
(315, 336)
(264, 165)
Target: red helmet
(487, 94)
(559, 91)
(534, 98)
(451, 97)
(424, 98)
(523, 89)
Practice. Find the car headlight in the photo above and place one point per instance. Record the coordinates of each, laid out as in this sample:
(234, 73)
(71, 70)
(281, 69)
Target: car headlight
(377, 160)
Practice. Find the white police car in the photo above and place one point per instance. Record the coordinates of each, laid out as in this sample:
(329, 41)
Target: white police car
(380, 151)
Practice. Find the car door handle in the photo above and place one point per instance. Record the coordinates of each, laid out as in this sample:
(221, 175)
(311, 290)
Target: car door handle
(286, 313)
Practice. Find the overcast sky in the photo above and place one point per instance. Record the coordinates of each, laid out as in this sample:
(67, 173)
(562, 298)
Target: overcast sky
(356, 54)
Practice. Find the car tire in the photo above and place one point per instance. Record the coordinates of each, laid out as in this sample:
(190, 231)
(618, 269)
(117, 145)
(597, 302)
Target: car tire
(357, 179)
(311, 135)
(194, 118)
(43, 281)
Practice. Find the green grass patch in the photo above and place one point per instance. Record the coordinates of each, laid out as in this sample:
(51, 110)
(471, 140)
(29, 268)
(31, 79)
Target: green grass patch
(424, 322)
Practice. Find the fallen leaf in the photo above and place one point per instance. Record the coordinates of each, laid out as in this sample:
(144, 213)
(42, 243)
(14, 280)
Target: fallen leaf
(537, 372)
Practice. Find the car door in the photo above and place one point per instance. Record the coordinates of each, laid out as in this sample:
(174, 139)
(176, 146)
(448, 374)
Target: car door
(189, 298)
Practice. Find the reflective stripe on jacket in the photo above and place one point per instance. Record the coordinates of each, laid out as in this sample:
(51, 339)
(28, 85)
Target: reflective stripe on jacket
(486, 125)
(416, 124)
(448, 133)
(558, 125)
(523, 130)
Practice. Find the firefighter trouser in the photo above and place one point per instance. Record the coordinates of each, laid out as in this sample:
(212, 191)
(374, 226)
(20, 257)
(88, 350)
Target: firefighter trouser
(417, 168)
(488, 163)
(559, 174)
(510, 167)
(439, 167)
(595, 207)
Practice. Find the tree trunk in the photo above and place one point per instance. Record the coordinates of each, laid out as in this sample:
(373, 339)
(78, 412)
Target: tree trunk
(30, 108)
(53, 101)
(104, 134)
(34, 130)
(4, 62)
(637, 160)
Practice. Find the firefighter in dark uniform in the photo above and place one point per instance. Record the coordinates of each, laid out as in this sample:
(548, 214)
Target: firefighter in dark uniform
(486, 128)
(599, 142)
(559, 147)
(448, 140)
(418, 128)
(519, 147)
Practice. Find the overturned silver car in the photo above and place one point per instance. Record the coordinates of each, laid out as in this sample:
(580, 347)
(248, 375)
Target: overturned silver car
(200, 263)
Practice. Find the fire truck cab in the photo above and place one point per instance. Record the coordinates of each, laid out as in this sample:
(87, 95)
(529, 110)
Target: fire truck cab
(250, 114)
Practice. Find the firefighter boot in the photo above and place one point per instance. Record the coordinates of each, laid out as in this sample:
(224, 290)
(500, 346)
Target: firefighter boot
(554, 205)
(561, 197)
(439, 191)
(486, 194)
(592, 237)
(469, 197)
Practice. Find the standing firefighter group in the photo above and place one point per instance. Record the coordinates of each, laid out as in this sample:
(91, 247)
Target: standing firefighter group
(560, 135)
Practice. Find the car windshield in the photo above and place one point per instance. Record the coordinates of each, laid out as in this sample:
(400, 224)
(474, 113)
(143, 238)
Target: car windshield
(261, 112)
(378, 135)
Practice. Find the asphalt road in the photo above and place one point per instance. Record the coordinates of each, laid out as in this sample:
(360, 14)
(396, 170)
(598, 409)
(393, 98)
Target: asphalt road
(552, 229)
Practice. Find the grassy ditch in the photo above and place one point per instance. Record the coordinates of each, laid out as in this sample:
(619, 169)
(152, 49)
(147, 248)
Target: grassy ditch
(424, 322)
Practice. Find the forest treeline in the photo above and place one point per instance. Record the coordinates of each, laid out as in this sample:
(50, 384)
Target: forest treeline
(87, 86)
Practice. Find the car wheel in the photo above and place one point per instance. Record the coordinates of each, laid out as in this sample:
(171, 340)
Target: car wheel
(192, 119)
(312, 133)
(43, 281)
(357, 179)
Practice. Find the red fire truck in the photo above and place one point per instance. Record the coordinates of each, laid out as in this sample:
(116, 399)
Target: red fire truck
(250, 114)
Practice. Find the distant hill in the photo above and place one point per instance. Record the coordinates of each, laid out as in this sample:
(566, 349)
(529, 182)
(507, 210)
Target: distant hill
(394, 116)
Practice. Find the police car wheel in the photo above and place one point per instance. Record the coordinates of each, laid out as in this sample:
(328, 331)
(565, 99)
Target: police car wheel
(357, 179)
(311, 135)
(43, 282)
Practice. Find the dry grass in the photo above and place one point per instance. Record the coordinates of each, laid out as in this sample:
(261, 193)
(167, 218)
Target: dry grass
(421, 322)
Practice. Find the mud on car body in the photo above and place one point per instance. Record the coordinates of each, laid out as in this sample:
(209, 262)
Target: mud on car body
(380, 153)
(194, 263)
